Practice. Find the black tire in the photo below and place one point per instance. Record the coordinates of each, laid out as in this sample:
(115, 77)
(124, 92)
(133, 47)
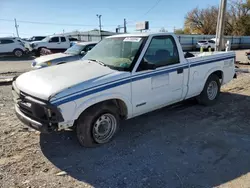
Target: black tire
(203, 98)
(86, 122)
(18, 53)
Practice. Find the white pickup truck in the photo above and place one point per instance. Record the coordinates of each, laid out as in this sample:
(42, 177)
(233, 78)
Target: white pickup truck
(55, 43)
(122, 77)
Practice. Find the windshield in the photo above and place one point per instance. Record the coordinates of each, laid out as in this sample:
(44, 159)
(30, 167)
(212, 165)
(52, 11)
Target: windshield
(75, 49)
(117, 53)
(45, 39)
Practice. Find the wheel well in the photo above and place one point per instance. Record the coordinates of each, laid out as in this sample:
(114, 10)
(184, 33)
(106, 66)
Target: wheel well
(219, 74)
(17, 49)
(123, 110)
(41, 48)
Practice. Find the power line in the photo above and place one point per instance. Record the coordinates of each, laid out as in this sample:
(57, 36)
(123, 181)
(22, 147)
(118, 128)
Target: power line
(51, 23)
(150, 9)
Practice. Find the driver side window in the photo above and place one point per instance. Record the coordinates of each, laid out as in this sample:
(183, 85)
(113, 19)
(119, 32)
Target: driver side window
(162, 51)
(54, 39)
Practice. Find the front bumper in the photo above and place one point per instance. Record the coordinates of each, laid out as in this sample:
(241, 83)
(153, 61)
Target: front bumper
(44, 128)
(37, 114)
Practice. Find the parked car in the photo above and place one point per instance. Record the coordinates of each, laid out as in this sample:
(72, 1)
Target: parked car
(55, 43)
(73, 41)
(122, 77)
(206, 44)
(12, 46)
(73, 53)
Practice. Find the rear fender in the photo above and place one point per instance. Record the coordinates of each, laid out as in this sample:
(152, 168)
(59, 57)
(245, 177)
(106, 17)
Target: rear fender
(212, 70)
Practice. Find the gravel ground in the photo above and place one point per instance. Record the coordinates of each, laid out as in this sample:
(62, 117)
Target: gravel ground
(184, 146)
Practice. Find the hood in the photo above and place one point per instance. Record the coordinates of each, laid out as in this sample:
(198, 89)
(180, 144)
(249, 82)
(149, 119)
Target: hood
(45, 83)
(36, 42)
(51, 57)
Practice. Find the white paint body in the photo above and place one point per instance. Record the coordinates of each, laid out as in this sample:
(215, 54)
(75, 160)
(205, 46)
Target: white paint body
(10, 47)
(46, 43)
(75, 87)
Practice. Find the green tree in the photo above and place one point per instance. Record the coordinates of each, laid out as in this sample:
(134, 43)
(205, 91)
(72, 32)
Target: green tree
(204, 21)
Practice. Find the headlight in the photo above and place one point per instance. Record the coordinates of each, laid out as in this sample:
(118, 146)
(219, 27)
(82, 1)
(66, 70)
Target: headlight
(48, 63)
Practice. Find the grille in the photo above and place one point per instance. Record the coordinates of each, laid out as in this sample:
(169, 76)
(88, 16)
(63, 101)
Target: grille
(29, 108)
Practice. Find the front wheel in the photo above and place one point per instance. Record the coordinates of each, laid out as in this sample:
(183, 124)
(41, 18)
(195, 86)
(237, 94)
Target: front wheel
(211, 91)
(18, 52)
(98, 125)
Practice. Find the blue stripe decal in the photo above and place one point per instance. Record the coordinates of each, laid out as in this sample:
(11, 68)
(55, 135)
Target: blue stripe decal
(122, 81)
(138, 75)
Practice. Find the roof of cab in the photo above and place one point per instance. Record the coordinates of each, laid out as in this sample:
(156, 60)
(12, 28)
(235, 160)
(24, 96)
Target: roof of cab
(138, 35)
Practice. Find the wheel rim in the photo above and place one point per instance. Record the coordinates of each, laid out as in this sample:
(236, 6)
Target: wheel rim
(18, 53)
(104, 128)
(212, 90)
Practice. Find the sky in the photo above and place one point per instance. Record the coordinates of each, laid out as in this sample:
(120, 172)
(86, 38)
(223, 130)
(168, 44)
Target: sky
(47, 17)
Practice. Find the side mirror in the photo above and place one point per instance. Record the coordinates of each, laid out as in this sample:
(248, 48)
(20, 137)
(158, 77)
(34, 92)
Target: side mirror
(83, 53)
(145, 65)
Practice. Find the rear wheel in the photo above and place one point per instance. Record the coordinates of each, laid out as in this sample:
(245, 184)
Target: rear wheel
(211, 91)
(98, 125)
(18, 52)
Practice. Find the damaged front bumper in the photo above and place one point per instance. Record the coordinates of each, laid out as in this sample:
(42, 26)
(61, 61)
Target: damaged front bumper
(37, 114)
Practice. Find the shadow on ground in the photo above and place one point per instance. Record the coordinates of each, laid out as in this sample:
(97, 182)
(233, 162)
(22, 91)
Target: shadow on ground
(183, 146)
(12, 58)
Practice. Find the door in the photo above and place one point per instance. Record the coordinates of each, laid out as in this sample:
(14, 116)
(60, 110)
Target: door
(7, 45)
(64, 43)
(54, 43)
(152, 89)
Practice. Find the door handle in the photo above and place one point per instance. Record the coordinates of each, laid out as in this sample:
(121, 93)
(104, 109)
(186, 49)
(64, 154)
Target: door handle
(179, 70)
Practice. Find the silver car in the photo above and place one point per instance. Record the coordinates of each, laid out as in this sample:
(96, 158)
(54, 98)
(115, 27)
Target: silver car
(75, 52)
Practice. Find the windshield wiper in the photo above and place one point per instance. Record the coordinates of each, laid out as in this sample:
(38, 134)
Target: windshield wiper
(97, 61)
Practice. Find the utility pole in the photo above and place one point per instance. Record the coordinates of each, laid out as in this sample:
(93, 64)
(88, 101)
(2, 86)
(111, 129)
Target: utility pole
(221, 25)
(100, 24)
(125, 26)
(16, 26)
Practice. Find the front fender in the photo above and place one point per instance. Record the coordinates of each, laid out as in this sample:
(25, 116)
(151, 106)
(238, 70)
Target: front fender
(103, 97)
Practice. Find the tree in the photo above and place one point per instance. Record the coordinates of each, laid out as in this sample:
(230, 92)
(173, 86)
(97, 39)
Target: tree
(204, 21)
(182, 31)
(239, 17)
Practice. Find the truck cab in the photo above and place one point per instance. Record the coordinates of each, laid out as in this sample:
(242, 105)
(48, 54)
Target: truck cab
(55, 43)
(122, 77)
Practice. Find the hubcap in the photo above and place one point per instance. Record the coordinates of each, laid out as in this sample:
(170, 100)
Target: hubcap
(104, 128)
(212, 90)
(18, 53)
